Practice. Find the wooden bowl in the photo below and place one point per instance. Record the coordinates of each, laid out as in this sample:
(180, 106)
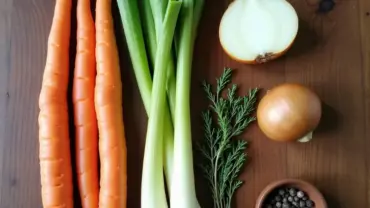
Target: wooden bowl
(313, 193)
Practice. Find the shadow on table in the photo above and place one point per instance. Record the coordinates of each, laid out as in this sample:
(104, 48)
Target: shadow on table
(306, 40)
(331, 201)
(329, 119)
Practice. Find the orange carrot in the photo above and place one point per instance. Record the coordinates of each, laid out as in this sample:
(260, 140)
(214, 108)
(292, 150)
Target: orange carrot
(54, 142)
(84, 108)
(108, 106)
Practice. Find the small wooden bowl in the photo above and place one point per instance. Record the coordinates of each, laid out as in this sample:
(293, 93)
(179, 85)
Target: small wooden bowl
(313, 193)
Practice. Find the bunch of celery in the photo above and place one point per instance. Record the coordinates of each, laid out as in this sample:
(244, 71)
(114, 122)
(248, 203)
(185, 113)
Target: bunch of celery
(160, 35)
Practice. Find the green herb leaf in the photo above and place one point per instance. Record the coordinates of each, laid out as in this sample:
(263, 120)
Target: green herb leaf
(223, 156)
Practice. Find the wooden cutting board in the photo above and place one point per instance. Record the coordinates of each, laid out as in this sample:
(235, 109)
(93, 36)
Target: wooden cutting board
(331, 55)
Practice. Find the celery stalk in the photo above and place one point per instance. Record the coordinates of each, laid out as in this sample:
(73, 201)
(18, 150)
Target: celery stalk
(158, 8)
(198, 10)
(149, 30)
(158, 11)
(130, 18)
(183, 186)
(152, 188)
(197, 13)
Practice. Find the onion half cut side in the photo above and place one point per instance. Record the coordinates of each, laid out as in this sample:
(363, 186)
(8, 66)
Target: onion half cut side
(257, 31)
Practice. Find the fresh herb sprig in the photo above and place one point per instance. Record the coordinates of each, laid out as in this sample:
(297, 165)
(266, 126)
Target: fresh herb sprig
(224, 157)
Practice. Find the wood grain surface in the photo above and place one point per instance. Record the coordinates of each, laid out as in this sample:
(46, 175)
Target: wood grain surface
(331, 55)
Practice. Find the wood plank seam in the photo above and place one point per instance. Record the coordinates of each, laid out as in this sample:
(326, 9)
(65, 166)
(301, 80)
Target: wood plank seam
(364, 18)
(5, 28)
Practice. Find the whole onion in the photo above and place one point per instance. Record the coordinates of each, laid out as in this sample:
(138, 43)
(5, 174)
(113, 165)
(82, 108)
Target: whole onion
(289, 112)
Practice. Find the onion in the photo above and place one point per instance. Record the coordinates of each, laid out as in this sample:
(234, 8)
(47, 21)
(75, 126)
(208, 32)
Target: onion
(289, 112)
(257, 31)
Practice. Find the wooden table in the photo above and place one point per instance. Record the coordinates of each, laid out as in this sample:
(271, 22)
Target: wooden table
(331, 55)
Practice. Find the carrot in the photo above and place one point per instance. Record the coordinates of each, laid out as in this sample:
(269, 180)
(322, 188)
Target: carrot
(84, 108)
(54, 142)
(108, 106)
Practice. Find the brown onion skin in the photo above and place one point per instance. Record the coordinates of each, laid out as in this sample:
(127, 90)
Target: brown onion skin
(288, 112)
(255, 62)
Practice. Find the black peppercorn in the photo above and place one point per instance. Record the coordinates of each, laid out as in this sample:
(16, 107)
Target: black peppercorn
(292, 192)
(326, 6)
(277, 198)
(285, 205)
(309, 203)
(282, 192)
(288, 197)
(300, 194)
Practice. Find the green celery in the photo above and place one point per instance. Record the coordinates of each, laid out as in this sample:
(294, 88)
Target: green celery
(152, 188)
(130, 18)
(149, 30)
(183, 187)
(197, 14)
(158, 8)
(198, 10)
(158, 11)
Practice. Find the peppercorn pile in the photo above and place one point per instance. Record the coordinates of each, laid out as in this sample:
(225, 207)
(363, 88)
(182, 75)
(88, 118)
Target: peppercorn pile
(288, 197)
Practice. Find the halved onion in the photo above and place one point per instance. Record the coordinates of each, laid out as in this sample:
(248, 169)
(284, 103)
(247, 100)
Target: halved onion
(289, 112)
(257, 31)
